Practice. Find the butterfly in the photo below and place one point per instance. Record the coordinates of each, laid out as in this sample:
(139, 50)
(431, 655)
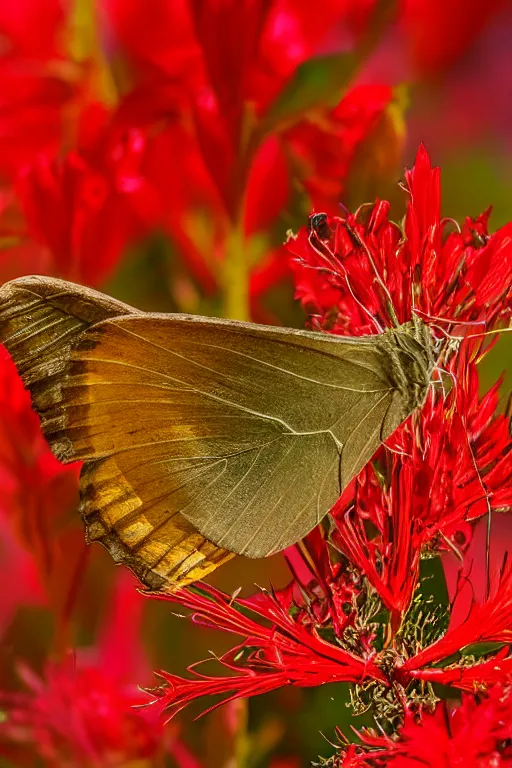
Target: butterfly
(204, 437)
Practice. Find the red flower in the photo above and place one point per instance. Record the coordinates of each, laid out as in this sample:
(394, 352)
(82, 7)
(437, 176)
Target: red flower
(36, 81)
(353, 612)
(214, 80)
(276, 651)
(39, 497)
(451, 276)
(76, 716)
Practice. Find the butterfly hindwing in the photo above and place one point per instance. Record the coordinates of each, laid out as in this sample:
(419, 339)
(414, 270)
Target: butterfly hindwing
(41, 319)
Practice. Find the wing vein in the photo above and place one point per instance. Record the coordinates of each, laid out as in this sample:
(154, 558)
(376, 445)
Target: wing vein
(248, 357)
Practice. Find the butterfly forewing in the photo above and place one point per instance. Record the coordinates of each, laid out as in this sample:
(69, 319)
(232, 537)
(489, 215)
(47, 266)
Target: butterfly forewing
(203, 437)
(249, 432)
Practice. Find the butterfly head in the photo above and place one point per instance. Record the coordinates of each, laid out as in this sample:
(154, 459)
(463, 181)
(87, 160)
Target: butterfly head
(412, 347)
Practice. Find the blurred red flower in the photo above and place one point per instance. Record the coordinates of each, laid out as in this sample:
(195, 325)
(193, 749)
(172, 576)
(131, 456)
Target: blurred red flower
(235, 87)
(85, 711)
(37, 81)
(38, 505)
(88, 206)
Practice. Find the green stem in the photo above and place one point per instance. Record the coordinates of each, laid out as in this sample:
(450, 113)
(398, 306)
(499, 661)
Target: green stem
(241, 752)
(236, 275)
(84, 44)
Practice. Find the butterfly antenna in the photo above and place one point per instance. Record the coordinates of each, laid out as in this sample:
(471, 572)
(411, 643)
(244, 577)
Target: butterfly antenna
(489, 333)
(448, 320)
(454, 548)
(448, 373)
(449, 220)
(364, 246)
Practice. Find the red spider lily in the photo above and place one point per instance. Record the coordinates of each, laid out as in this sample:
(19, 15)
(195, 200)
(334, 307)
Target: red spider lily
(276, 651)
(218, 76)
(83, 712)
(445, 467)
(207, 125)
(37, 82)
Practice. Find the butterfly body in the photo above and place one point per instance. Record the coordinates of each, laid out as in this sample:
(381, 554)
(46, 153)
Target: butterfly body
(203, 437)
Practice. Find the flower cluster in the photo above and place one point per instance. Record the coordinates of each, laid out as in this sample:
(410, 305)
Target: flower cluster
(359, 608)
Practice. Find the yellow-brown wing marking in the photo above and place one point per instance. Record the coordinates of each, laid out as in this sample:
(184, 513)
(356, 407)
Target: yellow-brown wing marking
(40, 320)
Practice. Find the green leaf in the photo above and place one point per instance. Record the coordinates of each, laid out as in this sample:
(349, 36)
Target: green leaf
(317, 82)
(478, 650)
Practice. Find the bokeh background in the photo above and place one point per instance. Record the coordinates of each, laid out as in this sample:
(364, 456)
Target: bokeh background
(160, 152)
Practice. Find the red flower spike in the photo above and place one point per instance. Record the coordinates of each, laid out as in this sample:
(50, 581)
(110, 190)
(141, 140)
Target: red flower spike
(391, 561)
(463, 277)
(38, 83)
(87, 207)
(276, 651)
(38, 496)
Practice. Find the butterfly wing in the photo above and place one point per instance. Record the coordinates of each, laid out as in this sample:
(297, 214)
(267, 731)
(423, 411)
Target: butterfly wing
(41, 319)
(248, 432)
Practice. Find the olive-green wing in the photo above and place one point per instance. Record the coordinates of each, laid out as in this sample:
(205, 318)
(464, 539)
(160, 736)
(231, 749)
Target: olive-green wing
(41, 318)
(249, 432)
